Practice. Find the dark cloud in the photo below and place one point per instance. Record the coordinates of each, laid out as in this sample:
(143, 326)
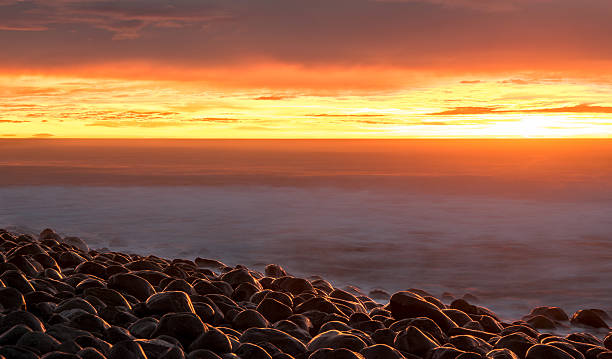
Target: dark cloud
(43, 135)
(438, 35)
(13, 121)
(273, 97)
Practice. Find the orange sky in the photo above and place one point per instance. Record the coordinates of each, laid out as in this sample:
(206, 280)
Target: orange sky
(278, 69)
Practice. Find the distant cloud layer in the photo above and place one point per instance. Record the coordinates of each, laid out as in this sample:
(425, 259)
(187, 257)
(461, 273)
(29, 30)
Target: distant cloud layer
(435, 35)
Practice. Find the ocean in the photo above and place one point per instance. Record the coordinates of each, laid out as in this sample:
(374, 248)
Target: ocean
(517, 223)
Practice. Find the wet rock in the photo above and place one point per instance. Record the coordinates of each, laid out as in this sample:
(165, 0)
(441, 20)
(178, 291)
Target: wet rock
(588, 318)
(275, 271)
(335, 340)
(410, 305)
(470, 344)
(14, 352)
(250, 318)
(518, 342)
(143, 328)
(21, 317)
(186, 327)
(131, 284)
(249, 350)
(86, 341)
(203, 354)
(127, 349)
(154, 348)
(381, 351)
(412, 340)
(554, 313)
(170, 302)
(90, 353)
(89, 322)
(213, 339)
(444, 353)
(326, 353)
(501, 354)
(110, 297)
(11, 299)
(180, 285)
(543, 351)
(116, 334)
(244, 291)
(283, 341)
(16, 280)
(42, 342)
(293, 285)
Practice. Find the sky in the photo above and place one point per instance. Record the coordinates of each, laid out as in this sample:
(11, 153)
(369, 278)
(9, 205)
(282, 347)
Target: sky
(305, 69)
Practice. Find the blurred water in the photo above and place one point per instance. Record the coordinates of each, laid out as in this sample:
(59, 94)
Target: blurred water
(513, 253)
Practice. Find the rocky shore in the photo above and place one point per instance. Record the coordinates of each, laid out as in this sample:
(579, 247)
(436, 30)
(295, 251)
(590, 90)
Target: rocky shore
(61, 300)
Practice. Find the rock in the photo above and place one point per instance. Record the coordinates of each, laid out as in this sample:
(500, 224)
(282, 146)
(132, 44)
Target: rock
(543, 351)
(249, 350)
(143, 328)
(131, 284)
(154, 348)
(90, 353)
(40, 341)
(15, 279)
(86, 341)
(275, 271)
(326, 353)
(170, 302)
(127, 349)
(238, 276)
(501, 354)
(14, 352)
(116, 334)
(381, 351)
(283, 341)
(607, 342)
(93, 268)
(518, 342)
(13, 334)
(412, 340)
(250, 318)
(64, 333)
(76, 303)
(470, 344)
(11, 299)
(335, 340)
(293, 285)
(244, 291)
(186, 327)
(109, 296)
(21, 317)
(180, 285)
(589, 318)
(89, 322)
(566, 347)
(554, 313)
(273, 310)
(444, 353)
(410, 305)
(213, 339)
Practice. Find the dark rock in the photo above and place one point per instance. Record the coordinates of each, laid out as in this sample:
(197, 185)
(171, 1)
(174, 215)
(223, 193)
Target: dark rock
(335, 340)
(174, 353)
(42, 342)
(90, 353)
(21, 317)
(381, 351)
(93, 268)
(501, 354)
(412, 340)
(11, 299)
(154, 348)
(250, 318)
(554, 313)
(109, 296)
(213, 339)
(543, 351)
(143, 328)
(273, 310)
(14, 352)
(64, 333)
(410, 305)
(76, 303)
(69, 259)
(566, 347)
(607, 342)
(15, 279)
(131, 284)
(444, 353)
(470, 344)
(186, 327)
(283, 341)
(588, 318)
(517, 342)
(474, 333)
(116, 334)
(584, 338)
(13, 334)
(326, 353)
(238, 276)
(170, 302)
(89, 322)
(244, 291)
(143, 264)
(249, 350)
(86, 341)
(180, 285)
(203, 354)
(127, 349)
(275, 271)
(293, 285)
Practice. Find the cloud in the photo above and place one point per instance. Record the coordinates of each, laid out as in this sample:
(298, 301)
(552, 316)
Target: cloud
(9, 135)
(216, 120)
(471, 81)
(346, 115)
(583, 108)
(133, 123)
(273, 97)
(43, 135)
(13, 121)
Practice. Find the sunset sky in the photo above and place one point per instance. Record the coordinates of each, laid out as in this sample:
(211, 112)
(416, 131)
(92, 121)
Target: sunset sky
(312, 69)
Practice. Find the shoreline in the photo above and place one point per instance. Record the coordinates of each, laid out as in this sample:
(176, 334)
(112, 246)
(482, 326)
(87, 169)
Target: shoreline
(60, 297)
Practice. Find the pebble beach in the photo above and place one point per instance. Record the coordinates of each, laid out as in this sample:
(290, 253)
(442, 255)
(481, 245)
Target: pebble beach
(61, 299)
